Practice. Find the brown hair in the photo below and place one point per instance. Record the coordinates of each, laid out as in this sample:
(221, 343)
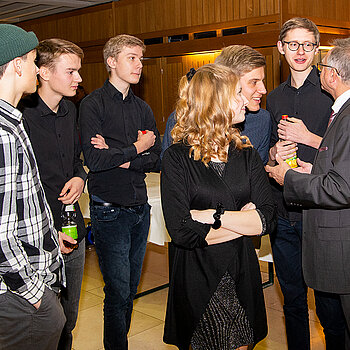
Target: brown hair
(204, 113)
(3, 68)
(116, 44)
(241, 58)
(49, 50)
(302, 23)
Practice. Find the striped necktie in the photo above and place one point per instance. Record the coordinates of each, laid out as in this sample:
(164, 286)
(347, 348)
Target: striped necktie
(331, 118)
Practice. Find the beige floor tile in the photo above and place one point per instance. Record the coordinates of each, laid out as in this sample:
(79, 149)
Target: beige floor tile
(156, 260)
(141, 322)
(276, 330)
(273, 296)
(88, 300)
(90, 283)
(98, 291)
(150, 340)
(153, 304)
(317, 336)
(87, 334)
(91, 263)
(150, 280)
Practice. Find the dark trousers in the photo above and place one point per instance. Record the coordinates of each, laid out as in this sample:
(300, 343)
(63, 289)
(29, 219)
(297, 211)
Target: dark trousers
(120, 239)
(74, 268)
(23, 327)
(286, 249)
(330, 312)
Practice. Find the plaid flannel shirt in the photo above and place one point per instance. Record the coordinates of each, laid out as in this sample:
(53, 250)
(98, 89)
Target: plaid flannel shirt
(30, 258)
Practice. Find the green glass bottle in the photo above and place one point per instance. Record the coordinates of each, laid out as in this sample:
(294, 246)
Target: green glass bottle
(69, 225)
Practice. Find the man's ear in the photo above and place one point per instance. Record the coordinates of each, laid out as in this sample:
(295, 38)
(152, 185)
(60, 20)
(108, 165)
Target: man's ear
(335, 78)
(111, 61)
(280, 47)
(44, 73)
(18, 65)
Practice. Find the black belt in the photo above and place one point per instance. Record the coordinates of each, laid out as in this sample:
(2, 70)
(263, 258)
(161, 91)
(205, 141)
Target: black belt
(115, 205)
(105, 204)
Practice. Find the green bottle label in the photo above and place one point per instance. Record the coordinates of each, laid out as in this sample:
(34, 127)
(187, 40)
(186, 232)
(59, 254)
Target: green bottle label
(70, 230)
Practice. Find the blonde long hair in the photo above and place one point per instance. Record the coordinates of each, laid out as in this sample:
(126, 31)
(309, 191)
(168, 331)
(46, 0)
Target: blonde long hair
(205, 116)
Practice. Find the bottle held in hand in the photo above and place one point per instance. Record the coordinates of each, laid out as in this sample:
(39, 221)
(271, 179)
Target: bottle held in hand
(292, 161)
(69, 225)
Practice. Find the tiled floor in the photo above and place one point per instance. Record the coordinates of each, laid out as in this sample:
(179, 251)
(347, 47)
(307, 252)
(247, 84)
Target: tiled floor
(149, 311)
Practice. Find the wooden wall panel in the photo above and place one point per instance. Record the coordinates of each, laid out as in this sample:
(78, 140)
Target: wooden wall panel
(43, 29)
(87, 27)
(338, 10)
(166, 15)
(78, 26)
(93, 75)
(150, 89)
(173, 69)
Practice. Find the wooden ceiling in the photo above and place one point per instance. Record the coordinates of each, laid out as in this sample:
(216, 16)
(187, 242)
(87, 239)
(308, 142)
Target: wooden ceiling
(18, 11)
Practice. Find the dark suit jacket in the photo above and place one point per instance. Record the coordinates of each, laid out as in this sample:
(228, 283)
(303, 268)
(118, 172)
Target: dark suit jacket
(326, 221)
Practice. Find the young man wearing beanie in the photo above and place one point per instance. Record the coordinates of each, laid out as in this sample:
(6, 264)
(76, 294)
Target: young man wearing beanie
(50, 121)
(30, 259)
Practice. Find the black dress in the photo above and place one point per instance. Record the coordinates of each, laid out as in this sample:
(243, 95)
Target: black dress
(215, 296)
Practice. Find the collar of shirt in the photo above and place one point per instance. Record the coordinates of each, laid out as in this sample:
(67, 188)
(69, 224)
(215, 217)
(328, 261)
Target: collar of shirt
(312, 78)
(115, 93)
(12, 114)
(340, 101)
(45, 110)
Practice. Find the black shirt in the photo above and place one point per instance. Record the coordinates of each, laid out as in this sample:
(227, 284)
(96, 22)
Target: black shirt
(312, 105)
(105, 112)
(57, 150)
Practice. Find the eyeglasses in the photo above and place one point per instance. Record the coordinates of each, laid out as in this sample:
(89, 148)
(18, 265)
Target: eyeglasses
(294, 45)
(320, 65)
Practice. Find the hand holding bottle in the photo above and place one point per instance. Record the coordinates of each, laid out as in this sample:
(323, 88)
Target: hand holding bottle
(292, 129)
(69, 234)
(291, 158)
(65, 240)
(285, 149)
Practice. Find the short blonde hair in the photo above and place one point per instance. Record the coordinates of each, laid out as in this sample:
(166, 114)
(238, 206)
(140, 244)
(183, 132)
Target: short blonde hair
(299, 23)
(205, 116)
(49, 50)
(241, 58)
(115, 45)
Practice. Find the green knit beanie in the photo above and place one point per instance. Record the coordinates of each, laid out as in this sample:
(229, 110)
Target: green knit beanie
(15, 42)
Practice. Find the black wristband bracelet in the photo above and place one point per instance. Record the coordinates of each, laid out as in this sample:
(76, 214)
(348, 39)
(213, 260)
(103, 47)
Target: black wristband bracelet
(217, 215)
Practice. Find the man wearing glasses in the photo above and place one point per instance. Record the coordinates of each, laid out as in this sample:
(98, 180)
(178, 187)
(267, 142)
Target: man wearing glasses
(309, 109)
(323, 189)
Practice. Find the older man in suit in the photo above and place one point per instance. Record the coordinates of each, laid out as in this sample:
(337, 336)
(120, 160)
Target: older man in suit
(324, 188)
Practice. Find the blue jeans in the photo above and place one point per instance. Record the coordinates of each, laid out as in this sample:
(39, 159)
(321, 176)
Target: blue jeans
(286, 248)
(120, 239)
(74, 268)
